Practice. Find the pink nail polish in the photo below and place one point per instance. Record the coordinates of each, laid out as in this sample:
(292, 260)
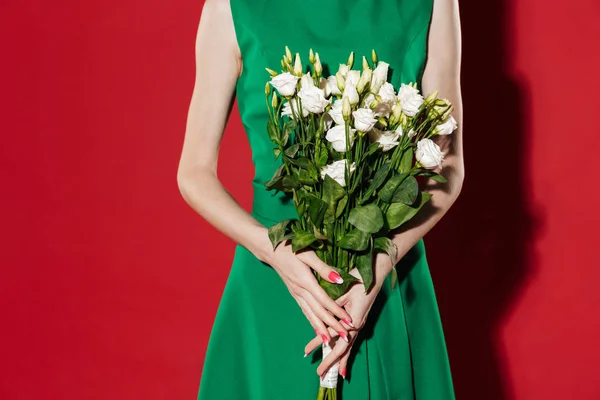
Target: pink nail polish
(316, 332)
(325, 338)
(344, 336)
(347, 322)
(343, 373)
(335, 277)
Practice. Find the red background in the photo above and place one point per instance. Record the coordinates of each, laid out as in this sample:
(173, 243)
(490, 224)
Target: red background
(110, 282)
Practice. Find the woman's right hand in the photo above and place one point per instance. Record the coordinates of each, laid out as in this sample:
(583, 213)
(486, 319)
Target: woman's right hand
(296, 271)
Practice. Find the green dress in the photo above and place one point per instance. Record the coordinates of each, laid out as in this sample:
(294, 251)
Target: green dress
(255, 350)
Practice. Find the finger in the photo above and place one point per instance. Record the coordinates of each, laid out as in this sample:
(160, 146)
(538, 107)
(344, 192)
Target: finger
(326, 317)
(325, 271)
(328, 303)
(318, 341)
(315, 322)
(333, 357)
(344, 361)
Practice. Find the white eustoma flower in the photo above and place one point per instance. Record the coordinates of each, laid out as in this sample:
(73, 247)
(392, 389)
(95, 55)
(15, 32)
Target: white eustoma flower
(336, 112)
(285, 83)
(410, 99)
(293, 105)
(364, 119)
(379, 76)
(332, 85)
(337, 171)
(447, 127)
(344, 69)
(351, 93)
(353, 76)
(369, 99)
(313, 99)
(337, 136)
(411, 133)
(306, 81)
(387, 93)
(429, 153)
(387, 139)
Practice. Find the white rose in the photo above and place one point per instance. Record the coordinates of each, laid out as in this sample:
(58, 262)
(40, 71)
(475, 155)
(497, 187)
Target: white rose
(379, 76)
(387, 139)
(306, 81)
(337, 137)
(387, 93)
(313, 99)
(351, 93)
(447, 127)
(336, 112)
(353, 76)
(364, 119)
(429, 154)
(337, 171)
(410, 99)
(285, 83)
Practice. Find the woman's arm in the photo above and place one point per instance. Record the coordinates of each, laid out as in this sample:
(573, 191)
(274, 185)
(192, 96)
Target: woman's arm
(218, 65)
(442, 73)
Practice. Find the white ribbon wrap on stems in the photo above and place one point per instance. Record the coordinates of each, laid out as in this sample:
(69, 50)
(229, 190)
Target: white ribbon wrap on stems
(330, 379)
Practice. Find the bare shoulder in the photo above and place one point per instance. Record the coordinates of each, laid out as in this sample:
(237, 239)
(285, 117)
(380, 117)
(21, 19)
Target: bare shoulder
(216, 24)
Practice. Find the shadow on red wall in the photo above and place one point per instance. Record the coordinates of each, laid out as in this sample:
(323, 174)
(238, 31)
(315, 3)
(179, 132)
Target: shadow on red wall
(479, 252)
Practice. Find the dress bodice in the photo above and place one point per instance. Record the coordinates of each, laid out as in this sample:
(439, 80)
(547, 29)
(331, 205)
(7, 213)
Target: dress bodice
(396, 29)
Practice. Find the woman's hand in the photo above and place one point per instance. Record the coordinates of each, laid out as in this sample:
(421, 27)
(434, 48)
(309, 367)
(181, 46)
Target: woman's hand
(296, 271)
(358, 304)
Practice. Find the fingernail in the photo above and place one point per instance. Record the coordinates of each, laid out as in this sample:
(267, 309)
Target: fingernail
(305, 354)
(316, 332)
(343, 373)
(347, 322)
(334, 276)
(343, 336)
(325, 338)
(322, 375)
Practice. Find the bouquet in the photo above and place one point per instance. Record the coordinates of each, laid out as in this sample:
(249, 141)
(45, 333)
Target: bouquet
(351, 149)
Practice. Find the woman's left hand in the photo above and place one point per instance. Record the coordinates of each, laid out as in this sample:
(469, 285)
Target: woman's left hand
(358, 304)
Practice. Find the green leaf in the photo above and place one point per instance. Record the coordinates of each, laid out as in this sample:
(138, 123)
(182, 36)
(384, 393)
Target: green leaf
(394, 277)
(430, 174)
(292, 150)
(318, 234)
(354, 240)
(378, 180)
(407, 191)
(367, 218)
(273, 131)
(332, 193)
(399, 213)
(364, 264)
(407, 160)
(288, 127)
(335, 290)
(304, 177)
(389, 189)
(386, 244)
(341, 206)
(316, 209)
(277, 232)
(302, 240)
(321, 155)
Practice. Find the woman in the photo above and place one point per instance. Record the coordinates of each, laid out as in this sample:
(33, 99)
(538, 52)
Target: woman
(272, 306)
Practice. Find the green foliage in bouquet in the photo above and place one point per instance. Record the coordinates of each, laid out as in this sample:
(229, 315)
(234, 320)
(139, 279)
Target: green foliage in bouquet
(351, 148)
